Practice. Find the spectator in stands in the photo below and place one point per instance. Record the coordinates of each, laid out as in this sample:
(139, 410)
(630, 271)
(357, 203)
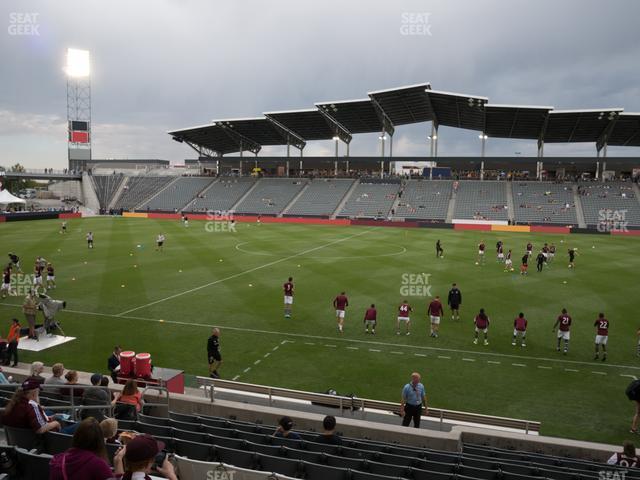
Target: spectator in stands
(130, 395)
(413, 401)
(12, 343)
(627, 458)
(113, 363)
(25, 411)
(95, 395)
(136, 460)
(36, 372)
(109, 427)
(329, 435)
(4, 380)
(284, 429)
(56, 378)
(71, 378)
(87, 457)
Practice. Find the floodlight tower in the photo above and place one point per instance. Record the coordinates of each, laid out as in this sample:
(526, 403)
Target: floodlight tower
(78, 70)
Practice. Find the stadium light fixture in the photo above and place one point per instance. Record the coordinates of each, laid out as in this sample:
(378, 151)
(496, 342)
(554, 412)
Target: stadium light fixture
(432, 137)
(336, 138)
(382, 137)
(483, 136)
(78, 63)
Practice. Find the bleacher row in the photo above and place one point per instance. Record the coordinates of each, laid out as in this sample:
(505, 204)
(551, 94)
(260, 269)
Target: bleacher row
(252, 446)
(533, 202)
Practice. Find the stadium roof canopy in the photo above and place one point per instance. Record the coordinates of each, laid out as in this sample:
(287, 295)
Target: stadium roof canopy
(357, 116)
(310, 124)
(515, 121)
(383, 110)
(404, 105)
(625, 131)
(578, 125)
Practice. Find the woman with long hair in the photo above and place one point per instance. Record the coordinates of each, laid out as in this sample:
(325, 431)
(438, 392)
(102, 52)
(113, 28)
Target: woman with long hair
(130, 395)
(87, 457)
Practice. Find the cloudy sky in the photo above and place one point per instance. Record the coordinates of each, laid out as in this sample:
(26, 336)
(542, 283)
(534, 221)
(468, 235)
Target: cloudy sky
(164, 64)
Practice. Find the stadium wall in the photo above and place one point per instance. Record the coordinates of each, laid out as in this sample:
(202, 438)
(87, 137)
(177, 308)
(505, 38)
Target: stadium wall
(473, 225)
(19, 216)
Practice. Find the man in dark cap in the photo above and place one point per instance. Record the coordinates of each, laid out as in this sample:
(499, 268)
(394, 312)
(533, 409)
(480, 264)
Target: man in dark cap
(141, 455)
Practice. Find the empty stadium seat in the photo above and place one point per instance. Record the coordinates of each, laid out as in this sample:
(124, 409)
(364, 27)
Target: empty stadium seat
(481, 200)
(321, 197)
(33, 466)
(270, 196)
(370, 200)
(424, 200)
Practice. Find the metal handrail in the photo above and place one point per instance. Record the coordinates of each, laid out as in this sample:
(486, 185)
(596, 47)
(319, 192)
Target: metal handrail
(353, 403)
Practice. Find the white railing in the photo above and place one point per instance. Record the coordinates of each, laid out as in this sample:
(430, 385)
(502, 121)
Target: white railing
(363, 404)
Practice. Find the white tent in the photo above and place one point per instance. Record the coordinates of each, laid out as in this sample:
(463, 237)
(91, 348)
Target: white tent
(6, 198)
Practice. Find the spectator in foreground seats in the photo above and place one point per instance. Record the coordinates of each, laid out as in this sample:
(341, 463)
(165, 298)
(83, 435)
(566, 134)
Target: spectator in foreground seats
(136, 460)
(72, 379)
(87, 457)
(25, 411)
(284, 429)
(627, 458)
(95, 395)
(130, 395)
(56, 379)
(36, 372)
(109, 427)
(329, 434)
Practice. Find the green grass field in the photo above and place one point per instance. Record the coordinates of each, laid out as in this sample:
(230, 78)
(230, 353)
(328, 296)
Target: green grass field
(124, 292)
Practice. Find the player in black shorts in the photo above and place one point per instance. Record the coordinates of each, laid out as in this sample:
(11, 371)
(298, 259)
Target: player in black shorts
(439, 250)
(540, 259)
(525, 264)
(572, 257)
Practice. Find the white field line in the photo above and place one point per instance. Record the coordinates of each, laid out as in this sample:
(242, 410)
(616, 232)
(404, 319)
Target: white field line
(351, 340)
(244, 272)
(257, 362)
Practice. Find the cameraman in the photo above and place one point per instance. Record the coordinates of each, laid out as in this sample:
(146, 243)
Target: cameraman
(413, 401)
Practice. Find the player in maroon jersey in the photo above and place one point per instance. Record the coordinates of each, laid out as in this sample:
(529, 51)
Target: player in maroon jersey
(37, 277)
(51, 277)
(288, 297)
(403, 316)
(481, 322)
(500, 251)
(481, 249)
(370, 319)
(520, 328)
(563, 323)
(340, 303)
(529, 249)
(435, 311)
(602, 335)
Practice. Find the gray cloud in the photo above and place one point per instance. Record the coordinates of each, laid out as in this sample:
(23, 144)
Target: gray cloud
(162, 64)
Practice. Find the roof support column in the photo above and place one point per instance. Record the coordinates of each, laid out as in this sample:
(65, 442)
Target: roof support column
(287, 174)
(288, 147)
(240, 148)
(348, 148)
(218, 167)
(382, 168)
(240, 166)
(597, 170)
(482, 170)
(604, 167)
(300, 168)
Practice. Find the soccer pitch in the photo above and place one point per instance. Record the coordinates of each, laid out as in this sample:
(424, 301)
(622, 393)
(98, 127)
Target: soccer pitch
(125, 292)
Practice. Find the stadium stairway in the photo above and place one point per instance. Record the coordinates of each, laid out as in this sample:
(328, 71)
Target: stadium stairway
(636, 191)
(243, 197)
(511, 211)
(118, 193)
(452, 206)
(89, 196)
(579, 212)
(344, 200)
(148, 199)
(294, 199)
(200, 193)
